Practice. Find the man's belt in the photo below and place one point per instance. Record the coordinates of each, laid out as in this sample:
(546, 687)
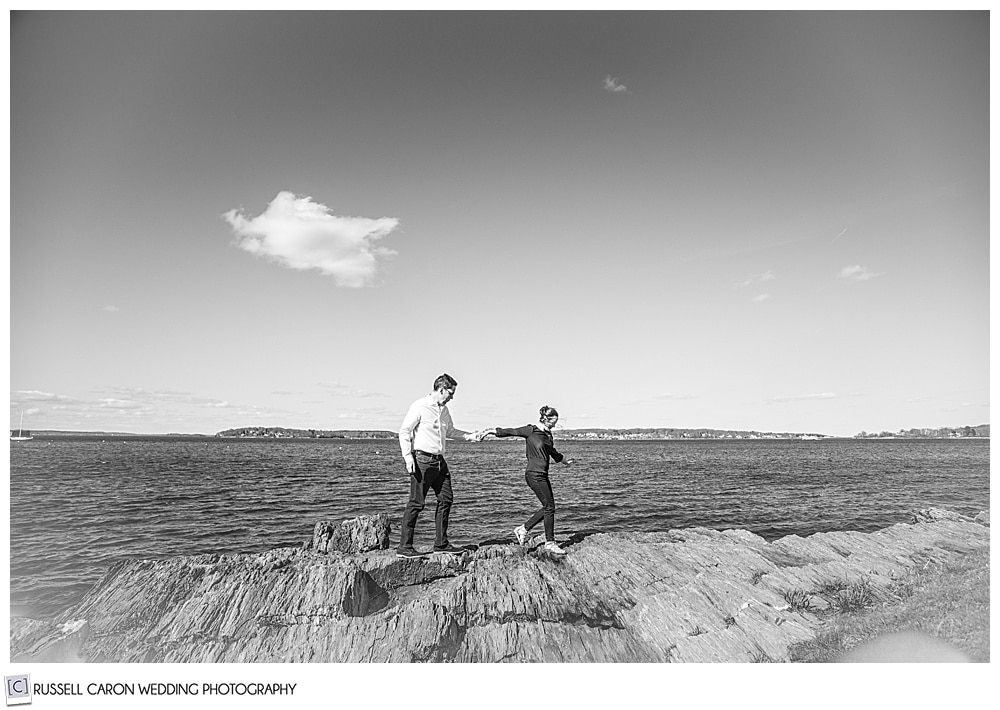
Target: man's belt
(433, 456)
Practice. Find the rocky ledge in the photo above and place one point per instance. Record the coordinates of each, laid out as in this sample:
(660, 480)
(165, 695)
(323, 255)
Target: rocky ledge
(682, 595)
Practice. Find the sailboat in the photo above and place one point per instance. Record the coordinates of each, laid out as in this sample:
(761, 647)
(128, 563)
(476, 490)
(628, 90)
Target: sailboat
(21, 435)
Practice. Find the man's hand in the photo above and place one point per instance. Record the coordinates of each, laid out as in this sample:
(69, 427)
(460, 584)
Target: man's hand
(410, 466)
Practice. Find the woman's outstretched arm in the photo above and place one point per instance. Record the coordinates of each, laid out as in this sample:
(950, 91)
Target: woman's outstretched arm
(524, 432)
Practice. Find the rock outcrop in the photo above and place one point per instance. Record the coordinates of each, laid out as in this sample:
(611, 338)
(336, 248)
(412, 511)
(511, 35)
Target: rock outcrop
(363, 534)
(682, 595)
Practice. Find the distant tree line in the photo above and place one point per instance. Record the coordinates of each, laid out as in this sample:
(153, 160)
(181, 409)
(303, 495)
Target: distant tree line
(983, 430)
(256, 432)
(675, 433)
(278, 432)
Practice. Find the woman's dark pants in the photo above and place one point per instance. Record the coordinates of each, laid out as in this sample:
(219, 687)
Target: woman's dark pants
(429, 472)
(539, 483)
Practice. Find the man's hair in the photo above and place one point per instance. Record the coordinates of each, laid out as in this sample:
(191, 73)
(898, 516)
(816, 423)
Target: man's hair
(547, 411)
(446, 381)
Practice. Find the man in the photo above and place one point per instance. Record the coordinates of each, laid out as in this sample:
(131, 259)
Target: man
(422, 436)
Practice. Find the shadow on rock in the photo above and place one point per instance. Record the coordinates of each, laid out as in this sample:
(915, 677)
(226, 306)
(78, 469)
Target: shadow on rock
(579, 537)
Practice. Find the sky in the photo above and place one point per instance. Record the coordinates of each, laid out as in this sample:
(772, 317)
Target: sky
(753, 221)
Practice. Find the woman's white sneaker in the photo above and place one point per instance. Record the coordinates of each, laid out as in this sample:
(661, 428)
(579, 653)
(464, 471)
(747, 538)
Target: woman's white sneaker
(521, 533)
(553, 548)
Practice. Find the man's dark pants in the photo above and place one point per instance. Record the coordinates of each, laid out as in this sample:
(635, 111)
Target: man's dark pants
(430, 471)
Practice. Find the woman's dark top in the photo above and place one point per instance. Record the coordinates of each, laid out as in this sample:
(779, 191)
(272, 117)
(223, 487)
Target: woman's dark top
(538, 446)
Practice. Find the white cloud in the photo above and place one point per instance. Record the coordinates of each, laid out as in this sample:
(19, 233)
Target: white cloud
(341, 390)
(302, 234)
(800, 397)
(164, 397)
(253, 411)
(122, 404)
(36, 396)
(761, 298)
(614, 86)
(857, 272)
(112, 309)
(755, 279)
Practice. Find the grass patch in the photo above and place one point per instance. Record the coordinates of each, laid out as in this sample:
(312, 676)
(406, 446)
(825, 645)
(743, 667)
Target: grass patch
(757, 576)
(831, 589)
(855, 597)
(798, 600)
(950, 602)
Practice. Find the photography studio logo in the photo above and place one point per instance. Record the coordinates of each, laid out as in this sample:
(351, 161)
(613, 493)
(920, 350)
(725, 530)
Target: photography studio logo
(18, 689)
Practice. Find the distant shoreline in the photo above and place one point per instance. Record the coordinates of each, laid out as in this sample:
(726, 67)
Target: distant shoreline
(981, 431)
(47, 435)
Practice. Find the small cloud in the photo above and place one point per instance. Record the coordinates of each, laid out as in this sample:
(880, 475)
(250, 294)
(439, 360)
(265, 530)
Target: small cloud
(301, 234)
(253, 411)
(112, 309)
(755, 279)
(857, 273)
(670, 395)
(614, 86)
(341, 390)
(120, 407)
(800, 397)
(761, 298)
(109, 403)
(36, 396)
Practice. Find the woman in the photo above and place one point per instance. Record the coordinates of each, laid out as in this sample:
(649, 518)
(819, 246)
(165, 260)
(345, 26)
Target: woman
(539, 448)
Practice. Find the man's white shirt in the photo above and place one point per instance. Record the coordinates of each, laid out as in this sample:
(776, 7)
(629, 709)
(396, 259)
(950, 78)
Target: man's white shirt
(426, 426)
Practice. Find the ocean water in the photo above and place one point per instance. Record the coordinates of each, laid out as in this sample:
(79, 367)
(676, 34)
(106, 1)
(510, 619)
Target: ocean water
(78, 506)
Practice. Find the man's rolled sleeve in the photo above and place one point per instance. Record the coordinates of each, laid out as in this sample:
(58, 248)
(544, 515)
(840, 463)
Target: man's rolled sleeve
(451, 432)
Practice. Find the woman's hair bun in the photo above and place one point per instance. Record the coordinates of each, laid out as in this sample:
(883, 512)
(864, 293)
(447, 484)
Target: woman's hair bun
(543, 409)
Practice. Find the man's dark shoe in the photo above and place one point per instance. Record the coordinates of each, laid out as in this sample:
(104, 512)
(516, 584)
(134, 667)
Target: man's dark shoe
(408, 552)
(451, 550)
